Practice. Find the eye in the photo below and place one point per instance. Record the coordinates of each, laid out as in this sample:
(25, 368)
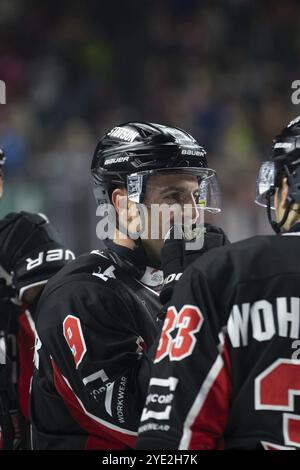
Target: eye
(174, 197)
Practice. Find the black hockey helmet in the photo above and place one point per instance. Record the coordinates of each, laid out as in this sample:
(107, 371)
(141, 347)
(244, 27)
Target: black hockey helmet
(131, 152)
(285, 161)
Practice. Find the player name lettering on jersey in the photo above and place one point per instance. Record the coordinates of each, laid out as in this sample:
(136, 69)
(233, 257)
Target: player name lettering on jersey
(262, 320)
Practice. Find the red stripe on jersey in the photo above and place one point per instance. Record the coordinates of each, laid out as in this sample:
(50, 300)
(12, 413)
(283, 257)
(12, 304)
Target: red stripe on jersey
(101, 436)
(102, 443)
(206, 421)
(293, 429)
(25, 339)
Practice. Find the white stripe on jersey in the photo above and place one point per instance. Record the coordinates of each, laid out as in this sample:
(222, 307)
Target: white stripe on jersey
(199, 402)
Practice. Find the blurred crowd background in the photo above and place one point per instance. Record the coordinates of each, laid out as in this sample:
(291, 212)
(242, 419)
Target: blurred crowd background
(221, 70)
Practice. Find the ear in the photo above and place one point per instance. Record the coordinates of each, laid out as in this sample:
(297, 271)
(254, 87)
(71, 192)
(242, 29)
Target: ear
(118, 199)
(284, 192)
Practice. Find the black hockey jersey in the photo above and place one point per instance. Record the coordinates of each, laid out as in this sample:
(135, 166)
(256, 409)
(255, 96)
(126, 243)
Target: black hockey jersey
(8, 375)
(96, 320)
(227, 368)
(16, 353)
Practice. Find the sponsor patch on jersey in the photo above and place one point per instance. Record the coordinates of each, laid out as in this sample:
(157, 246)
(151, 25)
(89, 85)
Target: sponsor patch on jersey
(159, 399)
(152, 277)
(154, 427)
(120, 400)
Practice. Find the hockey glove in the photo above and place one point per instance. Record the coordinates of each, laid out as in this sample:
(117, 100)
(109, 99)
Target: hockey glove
(30, 249)
(175, 257)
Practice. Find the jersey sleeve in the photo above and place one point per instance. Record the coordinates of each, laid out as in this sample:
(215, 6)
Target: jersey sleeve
(190, 387)
(100, 367)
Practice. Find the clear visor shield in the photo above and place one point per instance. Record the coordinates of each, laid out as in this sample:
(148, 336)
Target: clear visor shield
(180, 186)
(265, 184)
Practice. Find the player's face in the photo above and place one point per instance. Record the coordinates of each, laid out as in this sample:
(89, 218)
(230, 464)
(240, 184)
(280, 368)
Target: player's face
(167, 190)
(280, 203)
(173, 190)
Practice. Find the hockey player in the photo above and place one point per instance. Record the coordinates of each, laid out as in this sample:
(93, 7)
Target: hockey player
(97, 318)
(227, 371)
(9, 417)
(31, 251)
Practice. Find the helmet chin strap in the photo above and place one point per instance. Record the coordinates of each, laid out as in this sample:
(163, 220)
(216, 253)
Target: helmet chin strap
(276, 226)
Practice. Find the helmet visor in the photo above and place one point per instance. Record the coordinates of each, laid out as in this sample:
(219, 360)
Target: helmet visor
(173, 186)
(265, 184)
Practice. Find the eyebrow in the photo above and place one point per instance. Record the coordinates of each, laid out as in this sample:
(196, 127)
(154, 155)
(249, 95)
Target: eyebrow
(177, 189)
(173, 188)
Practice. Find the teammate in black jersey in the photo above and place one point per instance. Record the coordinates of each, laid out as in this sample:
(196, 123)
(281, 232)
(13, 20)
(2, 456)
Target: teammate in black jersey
(227, 369)
(30, 251)
(97, 319)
